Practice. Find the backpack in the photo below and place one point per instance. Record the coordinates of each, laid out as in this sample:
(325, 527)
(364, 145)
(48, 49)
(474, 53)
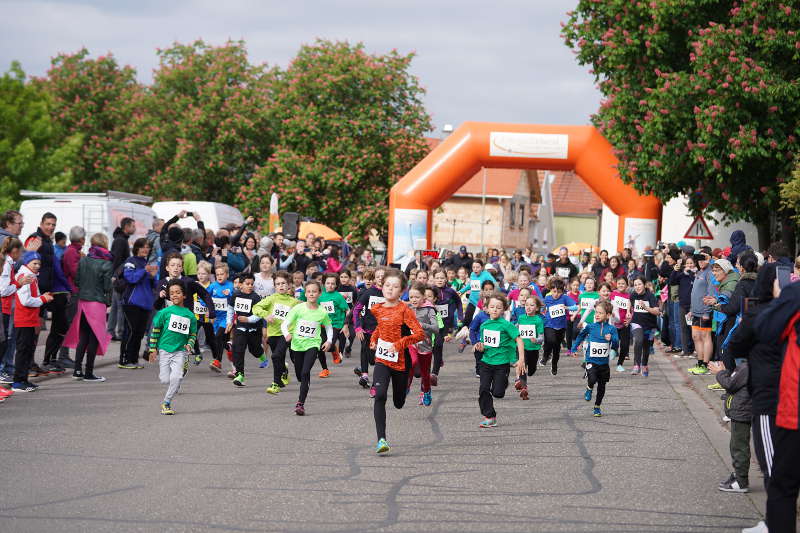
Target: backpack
(118, 281)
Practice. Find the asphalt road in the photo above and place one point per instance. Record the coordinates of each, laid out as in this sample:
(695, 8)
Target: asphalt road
(100, 457)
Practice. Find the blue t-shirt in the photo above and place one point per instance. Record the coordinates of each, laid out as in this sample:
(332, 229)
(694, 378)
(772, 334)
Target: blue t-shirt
(555, 311)
(220, 292)
(475, 288)
(598, 349)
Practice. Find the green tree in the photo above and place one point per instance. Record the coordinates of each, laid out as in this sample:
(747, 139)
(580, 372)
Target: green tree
(34, 153)
(350, 125)
(701, 97)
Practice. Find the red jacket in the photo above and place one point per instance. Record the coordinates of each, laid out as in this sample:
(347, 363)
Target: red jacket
(28, 302)
(69, 263)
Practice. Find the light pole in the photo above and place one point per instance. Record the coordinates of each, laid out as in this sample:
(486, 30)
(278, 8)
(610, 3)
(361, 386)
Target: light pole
(483, 208)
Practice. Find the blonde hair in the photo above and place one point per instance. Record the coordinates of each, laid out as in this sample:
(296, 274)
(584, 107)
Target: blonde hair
(218, 266)
(99, 239)
(205, 266)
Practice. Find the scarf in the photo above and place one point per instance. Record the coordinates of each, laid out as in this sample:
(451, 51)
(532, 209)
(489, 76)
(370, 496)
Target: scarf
(98, 252)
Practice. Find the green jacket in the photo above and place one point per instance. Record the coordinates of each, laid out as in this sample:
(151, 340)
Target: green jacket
(94, 280)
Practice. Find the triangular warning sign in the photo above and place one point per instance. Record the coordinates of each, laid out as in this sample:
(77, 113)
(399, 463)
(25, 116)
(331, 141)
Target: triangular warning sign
(698, 230)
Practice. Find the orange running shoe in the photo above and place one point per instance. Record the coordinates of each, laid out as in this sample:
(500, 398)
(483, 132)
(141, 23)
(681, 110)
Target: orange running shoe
(215, 365)
(325, 373)
(337, 357)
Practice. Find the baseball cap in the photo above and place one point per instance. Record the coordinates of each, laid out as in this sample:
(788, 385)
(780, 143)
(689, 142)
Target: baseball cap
(463, 249)
(724, 264)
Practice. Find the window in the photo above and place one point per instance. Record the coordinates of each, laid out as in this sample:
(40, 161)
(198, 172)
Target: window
(521, 216)
(511, 221)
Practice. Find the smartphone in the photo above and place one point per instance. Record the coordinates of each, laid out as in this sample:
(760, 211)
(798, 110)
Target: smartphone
(189, 214)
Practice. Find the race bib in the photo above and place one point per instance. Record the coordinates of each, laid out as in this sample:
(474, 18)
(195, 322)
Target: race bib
(178, 324)
(385, 352)
(328, 307)
(562, 272)
(220, 304)
(598, 350)
(588, 303)
(242, 305)
(200, 308)
(475, 285)
(557, 311)
(620, 302)
(491, 338)
(375, 300)
(527, 331)
(280, 311)
(348, 297)
(640, 306)
(688, 320)
(307, 329)
(443, 310)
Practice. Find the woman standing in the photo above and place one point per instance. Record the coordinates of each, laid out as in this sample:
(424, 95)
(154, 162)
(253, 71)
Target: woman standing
(137, 301)
(88, 334)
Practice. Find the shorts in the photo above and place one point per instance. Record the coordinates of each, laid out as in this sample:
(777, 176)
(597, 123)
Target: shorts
(700, 323)
(598, 373)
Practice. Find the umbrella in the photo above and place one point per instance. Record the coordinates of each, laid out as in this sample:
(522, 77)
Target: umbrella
(320, 230)
(577, 248)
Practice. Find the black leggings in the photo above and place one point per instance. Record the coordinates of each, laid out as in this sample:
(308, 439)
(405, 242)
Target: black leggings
(468, 316)
(220, 338)
(641, 346)
(531, 361)
(321, 355)
(552, 345)
(346, 342)
(367, 355)
(278, 346)
(601, 387)
(87, 345)
(494, 381)
(58, 326)
(211, 340)
(438, 348)
(624, 343)
(381, 376)
(569, 334)
(137, 319)
(303, 363)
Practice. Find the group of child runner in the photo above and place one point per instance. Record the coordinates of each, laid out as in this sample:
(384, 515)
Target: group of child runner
(402, 327)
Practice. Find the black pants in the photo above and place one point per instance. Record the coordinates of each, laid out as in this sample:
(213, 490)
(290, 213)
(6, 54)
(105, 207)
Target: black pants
(598, 375)
(367, 355)
(552, 346)
(785, 482)
(686, 332)
(469, 314)
(23, 358)
(569, 334)
(531, 361)
(624, 343)
(346, 342)
(211, 338)
(87, 346)
(137, 320)
(763, 430)
(278, 347)
(494, 380)
(641, 346)
(321, 355)
(438, 349)
(245, 339)
(220, 338)
(303, 363)
(58, 327)
(381, 377)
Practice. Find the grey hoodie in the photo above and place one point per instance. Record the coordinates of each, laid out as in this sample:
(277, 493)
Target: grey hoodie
(426, 314)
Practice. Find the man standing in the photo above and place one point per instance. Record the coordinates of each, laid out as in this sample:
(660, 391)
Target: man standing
(10, 226)
(120, 251)
(154, 240)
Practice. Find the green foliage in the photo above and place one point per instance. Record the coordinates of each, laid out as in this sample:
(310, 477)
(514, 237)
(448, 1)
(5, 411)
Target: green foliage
(33, 152)
(790, 193)
(350, 125)
(702, 97)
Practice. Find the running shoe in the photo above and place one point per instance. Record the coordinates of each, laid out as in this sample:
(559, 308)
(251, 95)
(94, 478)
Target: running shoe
(597, 412)
(36, 371)
(554, 371)
(587, 394)
(77, 374)
(434, 380)
(325, 373)
(264, 361)
(23, 386)
(357, 371)
(198, 359)
(239, 379)
(166, 409)
(426, 399)
(126, 366)
(518, 385)
(699, 370)
(761, 527)
(337, 357)
(299, 409)
(645, 371)
(636, 370)
(461, 348)
(382, 446)
(372, 392)
(285, 378)
(6, 378)
(620, 368)
(93, 378)
(544, 361)
(733, 485)
(524, 393)
(348, 352)
(54, 368)
(364, 380)
(488, 423)
(5, 393)
(231, 374)
(215, 365)
(421, 394)
(273, 389)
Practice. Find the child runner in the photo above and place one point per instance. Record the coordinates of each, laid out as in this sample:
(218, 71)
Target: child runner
(348, 292)
(518, 310)
(422, 351)
(298, 278)
(487, 289)
(171, 340)
(27, 303)
(392, 362)
(586, 302)
(244, 324)
(573, 294)
(531, 331)
(556, 305)
(335, 305)
(274, 309)
(365, 324)
(448, 305)
(302, 329)
(621, 302)
(500, 348)
(220, 290)
(201, 314)
(643, 325)
(602, 341)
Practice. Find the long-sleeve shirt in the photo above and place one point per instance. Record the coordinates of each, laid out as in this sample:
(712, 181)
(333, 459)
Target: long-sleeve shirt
(555, 311)
(475, 283)
(598, 348)
(388, 334)
(426, 315)
(174, 328)
(26, 313)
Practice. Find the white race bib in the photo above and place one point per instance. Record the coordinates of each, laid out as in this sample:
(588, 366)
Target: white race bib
(443, 310)
(527, 331)
(375, 300)
(200, 308)
(348, 297)
(640, 306)
(688, 320)
(557, 311)
(620, 302)
(280, 311)
(328, 307)
(385, 351)
(307, 329)
(220, 304)
(491, 338)
(242, 305)
(588, 303)
(475, 284)
(178, 324)
(598, 350)
(562, 272)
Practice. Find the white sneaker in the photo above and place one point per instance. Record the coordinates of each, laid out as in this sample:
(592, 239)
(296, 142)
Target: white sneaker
(761, 527)
(725, 418)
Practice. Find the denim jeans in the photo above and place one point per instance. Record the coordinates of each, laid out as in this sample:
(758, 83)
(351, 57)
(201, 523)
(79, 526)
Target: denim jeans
(676, 318)
(7, 363)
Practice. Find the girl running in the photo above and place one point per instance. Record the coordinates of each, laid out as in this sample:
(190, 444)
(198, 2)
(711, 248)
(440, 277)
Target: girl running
(448, 305)
(621, 303)
(573, 294)
(274, 309)
(335, 305)
(365, 324)
(531, 331)
(602, 341)
(643, 325)
(422, 351)
(348, 292)
(201, 313)
(556, 305)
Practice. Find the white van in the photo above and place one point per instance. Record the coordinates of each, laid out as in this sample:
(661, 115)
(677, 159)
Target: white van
(213, 214)
(96, 212)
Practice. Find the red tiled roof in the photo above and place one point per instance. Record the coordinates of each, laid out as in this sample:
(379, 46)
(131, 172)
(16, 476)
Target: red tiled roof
(571, 195)
(499, 182)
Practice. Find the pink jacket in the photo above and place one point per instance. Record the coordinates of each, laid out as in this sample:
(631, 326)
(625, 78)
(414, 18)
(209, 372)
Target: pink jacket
(69, 264)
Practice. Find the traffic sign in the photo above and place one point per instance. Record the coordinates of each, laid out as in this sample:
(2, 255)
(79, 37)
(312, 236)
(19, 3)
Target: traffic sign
(698, 230)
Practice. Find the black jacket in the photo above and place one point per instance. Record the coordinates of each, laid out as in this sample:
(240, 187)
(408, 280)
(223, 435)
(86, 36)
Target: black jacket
(120, 249)
(48, 253)
(736, 400)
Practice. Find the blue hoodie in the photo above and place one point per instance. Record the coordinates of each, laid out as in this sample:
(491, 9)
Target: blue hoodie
(141, 285)
(550, 306)
(598, 349)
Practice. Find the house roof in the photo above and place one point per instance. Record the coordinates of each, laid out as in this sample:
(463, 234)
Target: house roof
(500, 183)
(571, 196)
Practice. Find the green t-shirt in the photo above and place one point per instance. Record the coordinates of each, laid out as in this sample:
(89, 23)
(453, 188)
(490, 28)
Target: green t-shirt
(499, 345)
(276, 306)
(587, 301)
(173, 328)
(305, 326)
(529, 328)
(336, 306)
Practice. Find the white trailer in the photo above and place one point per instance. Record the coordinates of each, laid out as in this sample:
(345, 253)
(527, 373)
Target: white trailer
(213, 214)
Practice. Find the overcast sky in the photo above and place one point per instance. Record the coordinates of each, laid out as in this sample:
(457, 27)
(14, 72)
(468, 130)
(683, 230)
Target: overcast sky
(499, 61)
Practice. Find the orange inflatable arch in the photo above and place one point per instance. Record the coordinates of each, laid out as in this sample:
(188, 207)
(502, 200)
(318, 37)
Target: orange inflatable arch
(525, 146)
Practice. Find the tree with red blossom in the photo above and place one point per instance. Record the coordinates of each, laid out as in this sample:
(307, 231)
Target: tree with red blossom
(700, 98)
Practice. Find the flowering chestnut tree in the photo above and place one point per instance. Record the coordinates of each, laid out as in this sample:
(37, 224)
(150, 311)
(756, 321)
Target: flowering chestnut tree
(700, 98)
(349, 124)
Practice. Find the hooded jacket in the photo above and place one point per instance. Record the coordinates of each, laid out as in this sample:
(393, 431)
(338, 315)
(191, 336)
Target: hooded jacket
(141, 285)
(120, 248)
(736, 399)
(426, 315)
(28, 301)
(738, 245)
(94, 276)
